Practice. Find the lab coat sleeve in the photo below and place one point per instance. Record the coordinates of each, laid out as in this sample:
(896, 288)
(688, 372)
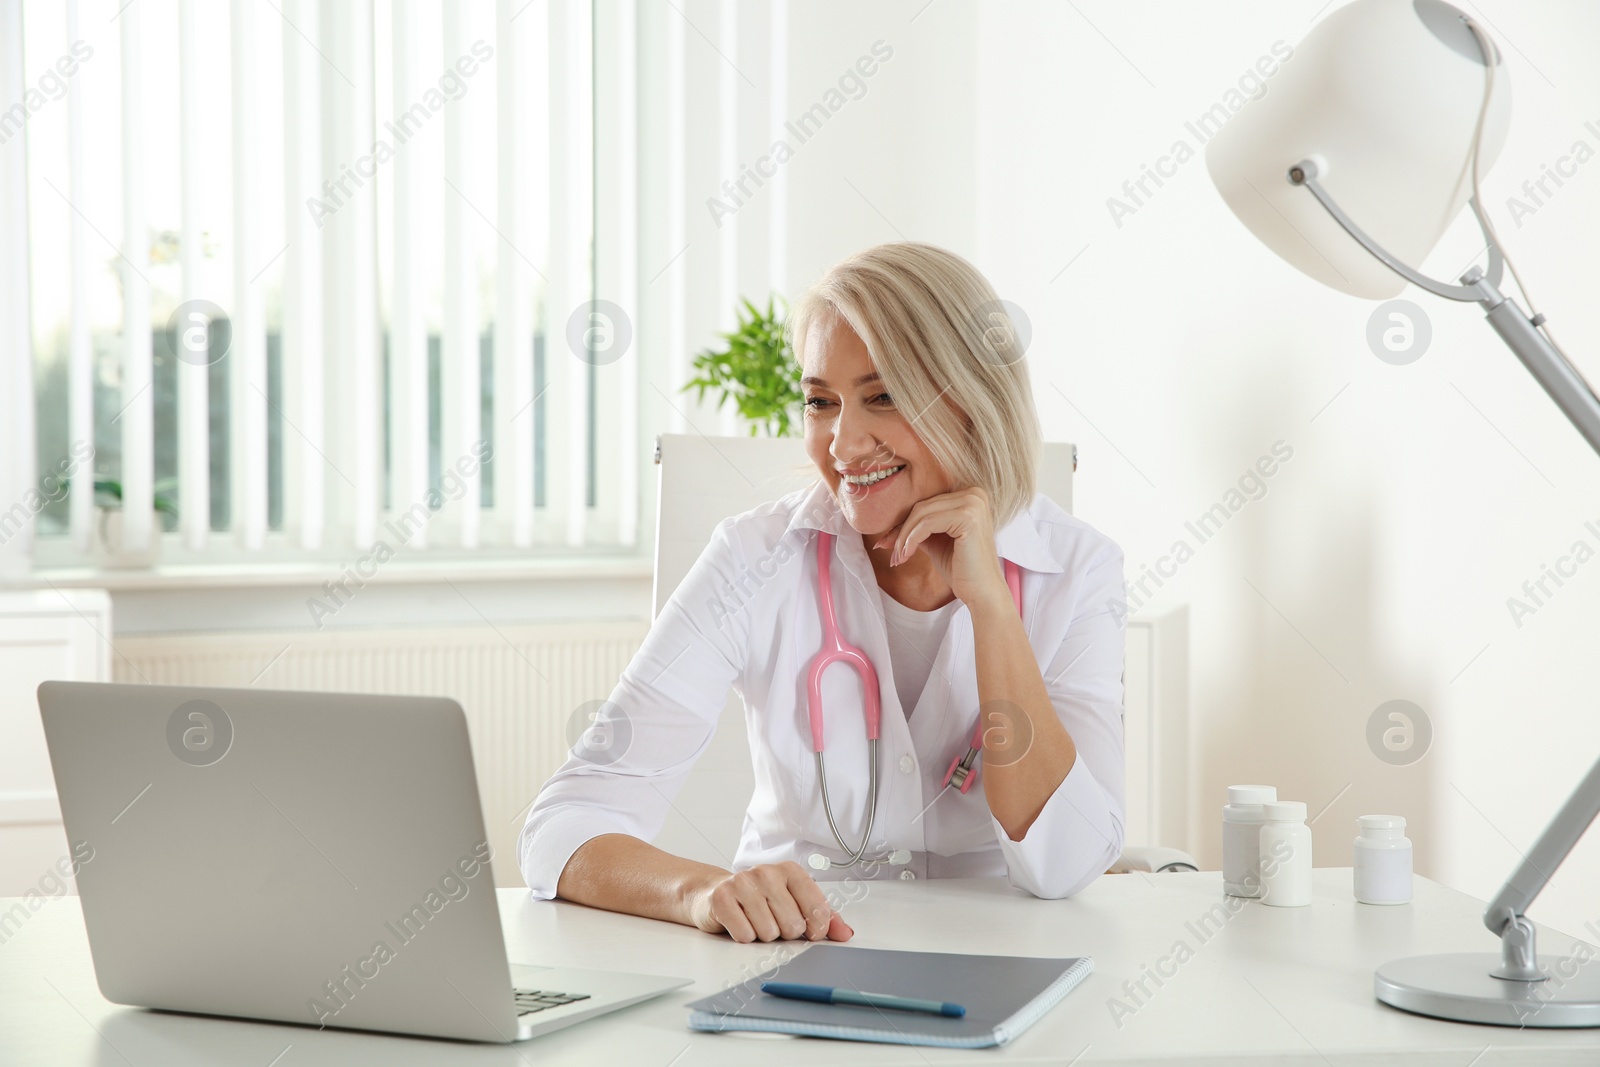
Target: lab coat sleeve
(659, 719)
(1079, 832)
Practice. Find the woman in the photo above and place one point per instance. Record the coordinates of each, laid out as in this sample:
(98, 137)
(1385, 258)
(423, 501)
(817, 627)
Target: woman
(920, 420)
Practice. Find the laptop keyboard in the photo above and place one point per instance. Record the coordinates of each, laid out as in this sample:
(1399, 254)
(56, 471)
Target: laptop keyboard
(532, 1000)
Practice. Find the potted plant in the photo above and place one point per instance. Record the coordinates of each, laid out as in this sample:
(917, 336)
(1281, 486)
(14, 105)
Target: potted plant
(756, 369)
(108, 500)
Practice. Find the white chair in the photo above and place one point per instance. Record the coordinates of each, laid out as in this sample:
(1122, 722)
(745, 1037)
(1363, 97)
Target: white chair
(701, 481)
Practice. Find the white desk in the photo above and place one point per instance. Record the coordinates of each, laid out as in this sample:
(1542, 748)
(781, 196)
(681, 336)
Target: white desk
(1269, 987)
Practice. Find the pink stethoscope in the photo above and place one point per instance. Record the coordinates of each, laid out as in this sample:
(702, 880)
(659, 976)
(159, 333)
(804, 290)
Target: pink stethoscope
(835, 649)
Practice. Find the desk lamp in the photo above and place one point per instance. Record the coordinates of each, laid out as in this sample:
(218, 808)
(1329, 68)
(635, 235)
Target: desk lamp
(1363, 150)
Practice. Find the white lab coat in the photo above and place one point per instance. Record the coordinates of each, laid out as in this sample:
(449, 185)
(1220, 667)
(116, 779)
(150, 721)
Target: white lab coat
(747, 616)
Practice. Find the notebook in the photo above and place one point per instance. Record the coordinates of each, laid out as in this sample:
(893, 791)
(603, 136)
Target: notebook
(1003, 995)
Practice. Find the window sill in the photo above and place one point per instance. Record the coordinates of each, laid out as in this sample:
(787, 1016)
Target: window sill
(182, 577)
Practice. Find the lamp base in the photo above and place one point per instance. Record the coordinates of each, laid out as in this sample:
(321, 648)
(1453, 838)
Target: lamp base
(1459, 986)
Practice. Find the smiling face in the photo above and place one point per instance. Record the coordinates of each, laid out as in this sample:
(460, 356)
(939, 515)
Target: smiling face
(864, 447)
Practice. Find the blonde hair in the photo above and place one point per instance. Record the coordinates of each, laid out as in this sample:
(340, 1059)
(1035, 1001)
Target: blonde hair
(950, 356)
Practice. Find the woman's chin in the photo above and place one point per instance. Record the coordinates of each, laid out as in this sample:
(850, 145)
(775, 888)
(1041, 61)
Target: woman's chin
(871, 530)
(872, 518)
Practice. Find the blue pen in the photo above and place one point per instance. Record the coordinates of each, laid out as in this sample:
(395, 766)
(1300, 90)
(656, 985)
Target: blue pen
(822, 994)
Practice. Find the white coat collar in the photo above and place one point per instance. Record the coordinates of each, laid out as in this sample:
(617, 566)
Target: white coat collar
(1018, 541)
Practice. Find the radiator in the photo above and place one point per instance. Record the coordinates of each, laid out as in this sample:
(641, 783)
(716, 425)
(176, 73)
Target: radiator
(519, 686)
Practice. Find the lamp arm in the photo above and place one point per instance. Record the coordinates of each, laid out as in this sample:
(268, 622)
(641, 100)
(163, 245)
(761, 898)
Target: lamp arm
(1576, 398)
(1305, 173)
(1549, 367)
(1546, 854)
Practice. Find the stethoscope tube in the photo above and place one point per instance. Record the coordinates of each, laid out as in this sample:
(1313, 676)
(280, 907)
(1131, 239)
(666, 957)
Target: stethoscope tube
(835, 649)
(872, 807)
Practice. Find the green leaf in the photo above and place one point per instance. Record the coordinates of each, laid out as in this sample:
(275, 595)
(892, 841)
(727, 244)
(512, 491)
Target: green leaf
(755, 369)
(108, 494)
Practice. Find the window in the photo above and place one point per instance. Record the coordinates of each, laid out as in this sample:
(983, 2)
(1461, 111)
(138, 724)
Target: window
(319, 279)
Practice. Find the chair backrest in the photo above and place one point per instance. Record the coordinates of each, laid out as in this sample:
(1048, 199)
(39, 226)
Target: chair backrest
(703, 480)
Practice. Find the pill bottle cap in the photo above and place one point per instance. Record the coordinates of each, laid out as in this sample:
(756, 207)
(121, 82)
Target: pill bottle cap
(1286, 811)
(1252, 794)
(1381, 822)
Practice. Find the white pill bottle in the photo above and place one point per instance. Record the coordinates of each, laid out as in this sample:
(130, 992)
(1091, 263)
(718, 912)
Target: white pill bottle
(1382, 860)
(1285, 855)
(1241, 838)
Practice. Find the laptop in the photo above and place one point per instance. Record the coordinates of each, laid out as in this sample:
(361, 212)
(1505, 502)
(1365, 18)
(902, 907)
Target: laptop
(310, 858)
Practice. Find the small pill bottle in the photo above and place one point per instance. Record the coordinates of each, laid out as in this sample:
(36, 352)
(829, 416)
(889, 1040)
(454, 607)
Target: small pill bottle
(1241, 838)
(1382, 860)
(1285, 855)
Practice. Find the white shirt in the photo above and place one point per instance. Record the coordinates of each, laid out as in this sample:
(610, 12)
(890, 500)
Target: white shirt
(914, 640)
(747, 615)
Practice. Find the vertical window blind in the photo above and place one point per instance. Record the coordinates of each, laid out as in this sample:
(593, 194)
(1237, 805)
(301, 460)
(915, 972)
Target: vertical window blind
(310, 275)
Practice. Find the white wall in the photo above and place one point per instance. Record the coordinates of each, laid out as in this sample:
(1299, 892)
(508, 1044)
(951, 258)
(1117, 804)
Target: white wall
(899, 163)
(894, 160)
(1176, 350)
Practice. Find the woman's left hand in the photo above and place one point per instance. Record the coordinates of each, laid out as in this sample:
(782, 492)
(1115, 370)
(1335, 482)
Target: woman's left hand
(956, 530)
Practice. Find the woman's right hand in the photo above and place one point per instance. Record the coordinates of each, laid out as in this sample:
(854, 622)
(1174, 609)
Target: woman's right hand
(770, 902)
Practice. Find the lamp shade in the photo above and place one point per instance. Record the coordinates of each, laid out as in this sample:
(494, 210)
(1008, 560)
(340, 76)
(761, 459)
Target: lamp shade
(1383, 95)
